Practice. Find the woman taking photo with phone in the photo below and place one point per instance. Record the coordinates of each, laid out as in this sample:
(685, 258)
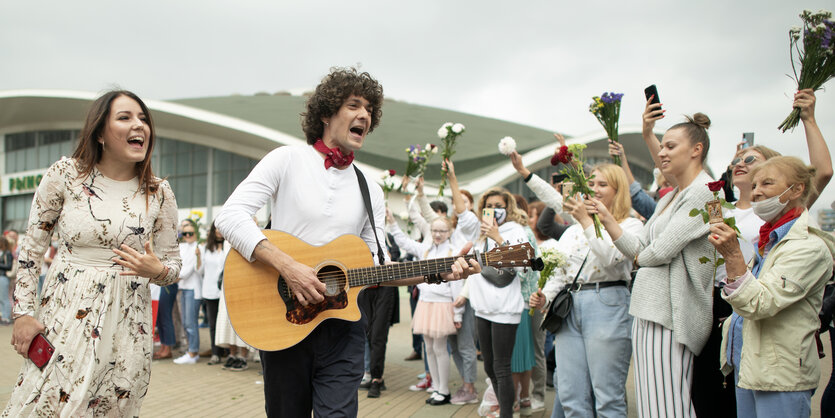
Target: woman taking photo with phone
(673, 292)
(498, 302)
(594, 343)
(773, 353)
(117, 227)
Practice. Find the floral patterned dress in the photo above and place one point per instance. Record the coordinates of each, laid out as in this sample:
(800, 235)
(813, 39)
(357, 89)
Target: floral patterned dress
(98, 321)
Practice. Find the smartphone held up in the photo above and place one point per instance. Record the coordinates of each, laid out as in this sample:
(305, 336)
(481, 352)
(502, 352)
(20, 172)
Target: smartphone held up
(651, 92)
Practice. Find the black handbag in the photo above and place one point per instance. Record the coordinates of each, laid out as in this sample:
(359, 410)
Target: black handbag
(499, 277)
(560, 307)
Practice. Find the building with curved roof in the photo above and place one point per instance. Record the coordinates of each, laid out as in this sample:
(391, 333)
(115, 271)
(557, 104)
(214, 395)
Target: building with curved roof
(208, 145)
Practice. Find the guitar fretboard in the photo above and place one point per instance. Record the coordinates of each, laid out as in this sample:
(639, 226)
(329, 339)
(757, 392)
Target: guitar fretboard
(378, 274)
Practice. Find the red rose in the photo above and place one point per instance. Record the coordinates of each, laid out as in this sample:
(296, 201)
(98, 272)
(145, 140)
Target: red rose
(554, 160)
(392, 172)
(716, 186)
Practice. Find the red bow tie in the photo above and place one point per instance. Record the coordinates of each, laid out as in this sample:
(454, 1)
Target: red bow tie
(333, 156)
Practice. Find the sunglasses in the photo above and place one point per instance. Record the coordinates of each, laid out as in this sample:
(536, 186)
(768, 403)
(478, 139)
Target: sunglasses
(188, 234)
(748, 160)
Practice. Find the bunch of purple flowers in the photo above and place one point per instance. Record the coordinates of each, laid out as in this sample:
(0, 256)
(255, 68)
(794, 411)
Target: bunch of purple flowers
(606, 109)
(816, 59)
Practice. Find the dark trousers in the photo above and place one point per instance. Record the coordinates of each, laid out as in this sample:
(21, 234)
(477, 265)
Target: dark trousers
(496, 349)
(378, 304)
(211, 315)
(828, 397)
(165, 319)
(321, 373)
(713, 394)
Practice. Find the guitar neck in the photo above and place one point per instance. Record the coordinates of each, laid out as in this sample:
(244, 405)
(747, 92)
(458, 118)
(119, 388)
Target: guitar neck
(365, 276)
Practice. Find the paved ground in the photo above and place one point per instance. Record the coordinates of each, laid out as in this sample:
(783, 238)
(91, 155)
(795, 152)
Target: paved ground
(201, 390)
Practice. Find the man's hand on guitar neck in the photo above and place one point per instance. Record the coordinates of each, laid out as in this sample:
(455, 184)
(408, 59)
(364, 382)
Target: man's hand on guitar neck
(461, 269)
(300, 278)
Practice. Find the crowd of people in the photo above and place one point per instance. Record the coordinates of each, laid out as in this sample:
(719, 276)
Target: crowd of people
(105, 266)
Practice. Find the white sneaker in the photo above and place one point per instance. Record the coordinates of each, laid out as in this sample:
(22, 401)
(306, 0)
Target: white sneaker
(186, 359)
(537, 405)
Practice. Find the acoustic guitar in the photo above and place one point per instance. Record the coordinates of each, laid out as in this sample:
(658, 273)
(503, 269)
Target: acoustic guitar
(267, 316)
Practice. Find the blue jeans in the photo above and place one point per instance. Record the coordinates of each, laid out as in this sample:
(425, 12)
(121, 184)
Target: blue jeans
(462, 346)
(165, 322)
(191, 310)
(5, 303)
(593, 348)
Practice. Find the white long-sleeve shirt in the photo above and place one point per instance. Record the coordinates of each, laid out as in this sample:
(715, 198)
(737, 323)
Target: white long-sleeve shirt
(211, 267)
(308, 202)
(502, 305)
(190, 277)
(605, 262)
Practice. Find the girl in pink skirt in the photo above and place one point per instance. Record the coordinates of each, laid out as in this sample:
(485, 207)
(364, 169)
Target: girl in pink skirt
(435, 317)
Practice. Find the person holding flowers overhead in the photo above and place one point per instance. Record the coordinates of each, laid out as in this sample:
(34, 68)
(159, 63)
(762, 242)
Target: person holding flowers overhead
(594, 344)
(672, 293)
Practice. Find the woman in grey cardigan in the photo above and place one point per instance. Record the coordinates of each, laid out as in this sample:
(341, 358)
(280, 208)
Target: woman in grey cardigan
(672, 292)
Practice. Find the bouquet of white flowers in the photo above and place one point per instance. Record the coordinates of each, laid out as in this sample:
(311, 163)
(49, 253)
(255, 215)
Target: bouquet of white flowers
(507, 145)
(552, 260)
(388, 182)
(448, 132)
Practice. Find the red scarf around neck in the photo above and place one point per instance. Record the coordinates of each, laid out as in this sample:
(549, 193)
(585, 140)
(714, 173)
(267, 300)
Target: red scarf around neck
(765, 230)
(333, 156)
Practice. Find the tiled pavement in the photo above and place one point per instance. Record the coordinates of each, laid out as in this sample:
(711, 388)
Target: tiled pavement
(207, 391)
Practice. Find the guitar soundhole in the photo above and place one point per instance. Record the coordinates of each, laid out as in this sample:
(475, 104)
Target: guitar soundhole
(335, 296)
(334, 279)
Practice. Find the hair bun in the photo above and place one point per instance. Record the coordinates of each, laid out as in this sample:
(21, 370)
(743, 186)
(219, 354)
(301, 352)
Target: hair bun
(699, 119)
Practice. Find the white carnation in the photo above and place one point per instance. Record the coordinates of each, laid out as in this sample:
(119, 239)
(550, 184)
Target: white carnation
(507, 145)
(404, 215)
(457, 128)
(442, 133)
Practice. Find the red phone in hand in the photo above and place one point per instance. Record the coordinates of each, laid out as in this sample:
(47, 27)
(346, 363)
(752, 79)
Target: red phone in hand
(40, 351)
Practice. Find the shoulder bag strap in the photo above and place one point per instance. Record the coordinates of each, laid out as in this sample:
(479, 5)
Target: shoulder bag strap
(578, 272)
(367, 199)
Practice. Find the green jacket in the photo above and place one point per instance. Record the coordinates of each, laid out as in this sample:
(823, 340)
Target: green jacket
(780, 309)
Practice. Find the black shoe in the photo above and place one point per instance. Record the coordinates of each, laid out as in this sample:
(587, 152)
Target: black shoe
(229, 362)
(239, 365)
(414, 356)
(375, 388)
(439, 399)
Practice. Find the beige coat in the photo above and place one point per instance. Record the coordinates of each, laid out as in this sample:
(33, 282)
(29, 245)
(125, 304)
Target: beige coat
(780, 309)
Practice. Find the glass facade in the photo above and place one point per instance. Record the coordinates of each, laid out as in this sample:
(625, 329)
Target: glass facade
(185, 165)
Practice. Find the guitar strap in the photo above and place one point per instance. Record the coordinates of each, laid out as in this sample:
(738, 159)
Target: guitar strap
(367, 199)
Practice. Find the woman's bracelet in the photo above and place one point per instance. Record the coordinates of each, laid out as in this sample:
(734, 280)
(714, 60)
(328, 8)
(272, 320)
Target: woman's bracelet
(162, 273)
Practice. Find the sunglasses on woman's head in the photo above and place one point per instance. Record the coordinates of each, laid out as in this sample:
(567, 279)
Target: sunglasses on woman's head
(748, 160)
(187, 234)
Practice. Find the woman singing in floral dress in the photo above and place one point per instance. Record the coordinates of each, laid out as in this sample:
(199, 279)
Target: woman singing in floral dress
(112, 217)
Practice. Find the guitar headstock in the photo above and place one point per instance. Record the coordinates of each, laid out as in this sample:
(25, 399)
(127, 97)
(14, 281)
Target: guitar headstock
(516, 255)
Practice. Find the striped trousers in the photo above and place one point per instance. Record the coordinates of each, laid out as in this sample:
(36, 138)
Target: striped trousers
(663, 372)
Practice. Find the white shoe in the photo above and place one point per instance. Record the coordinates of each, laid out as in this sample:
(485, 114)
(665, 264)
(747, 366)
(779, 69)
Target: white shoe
(537, 405)
(186, 359)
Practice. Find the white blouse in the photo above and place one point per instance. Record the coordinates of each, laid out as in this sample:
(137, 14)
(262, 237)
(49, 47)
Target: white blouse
(605, 262)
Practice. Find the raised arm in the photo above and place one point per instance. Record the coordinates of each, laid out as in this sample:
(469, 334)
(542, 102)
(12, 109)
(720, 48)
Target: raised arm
(818, 151)
(652, 113)
(458, 200)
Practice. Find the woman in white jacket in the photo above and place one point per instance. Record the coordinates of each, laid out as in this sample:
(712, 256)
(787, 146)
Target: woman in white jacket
(190, 285)
(498, 309)
(435, 317)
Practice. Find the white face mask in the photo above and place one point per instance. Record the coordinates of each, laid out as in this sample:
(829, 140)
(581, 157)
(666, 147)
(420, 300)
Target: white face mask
(501, 213)
(770, 208)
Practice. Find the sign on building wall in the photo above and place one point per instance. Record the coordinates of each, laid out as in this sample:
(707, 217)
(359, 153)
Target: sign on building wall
(19, 183)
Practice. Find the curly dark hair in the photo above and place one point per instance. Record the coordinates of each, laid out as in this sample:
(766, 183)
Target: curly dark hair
(332, 92)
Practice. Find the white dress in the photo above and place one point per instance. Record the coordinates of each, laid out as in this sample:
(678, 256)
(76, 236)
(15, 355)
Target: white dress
(98, 321)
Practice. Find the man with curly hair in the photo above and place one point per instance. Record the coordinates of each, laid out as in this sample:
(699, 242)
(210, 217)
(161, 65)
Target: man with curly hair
(315, 196)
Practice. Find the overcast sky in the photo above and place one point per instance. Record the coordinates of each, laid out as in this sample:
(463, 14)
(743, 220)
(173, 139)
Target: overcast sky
(537, 62)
